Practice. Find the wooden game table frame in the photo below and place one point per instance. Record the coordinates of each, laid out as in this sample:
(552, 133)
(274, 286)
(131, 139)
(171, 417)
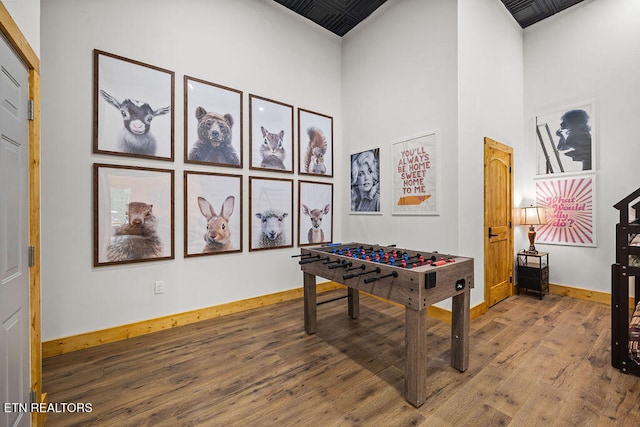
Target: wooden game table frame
(416, 288)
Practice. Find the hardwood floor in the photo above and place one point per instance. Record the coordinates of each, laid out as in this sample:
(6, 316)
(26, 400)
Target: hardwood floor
(533, 362)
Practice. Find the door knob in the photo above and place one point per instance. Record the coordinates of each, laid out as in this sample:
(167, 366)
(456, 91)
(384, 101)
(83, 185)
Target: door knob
(490, 234)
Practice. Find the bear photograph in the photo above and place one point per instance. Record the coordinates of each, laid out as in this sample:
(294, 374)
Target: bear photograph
(133, 214)
(565, 140)
(213, 123)
(133, 107)
(270, 134)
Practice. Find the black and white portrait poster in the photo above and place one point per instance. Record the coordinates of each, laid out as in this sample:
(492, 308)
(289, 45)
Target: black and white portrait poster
(566, 140)
(365, 182)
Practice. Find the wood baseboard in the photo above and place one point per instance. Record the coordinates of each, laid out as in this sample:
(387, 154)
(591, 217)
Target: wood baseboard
(118, 333)
(91, 339)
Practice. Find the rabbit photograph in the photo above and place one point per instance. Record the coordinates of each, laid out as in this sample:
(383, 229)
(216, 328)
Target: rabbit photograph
(133, 214)
(213, 124)
(133, 107)
(271, 134)
(213, 213)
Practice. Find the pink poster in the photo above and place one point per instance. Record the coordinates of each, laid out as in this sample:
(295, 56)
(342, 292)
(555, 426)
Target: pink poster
(569, 207)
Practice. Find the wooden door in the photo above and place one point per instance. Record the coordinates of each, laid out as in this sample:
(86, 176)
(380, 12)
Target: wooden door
(498, 228)
(15, 366)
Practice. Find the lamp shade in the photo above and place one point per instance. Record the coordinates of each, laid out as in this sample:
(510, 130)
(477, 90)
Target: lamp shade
(533, 215)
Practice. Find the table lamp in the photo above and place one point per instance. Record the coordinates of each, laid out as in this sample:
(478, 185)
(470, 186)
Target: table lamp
(532, 216)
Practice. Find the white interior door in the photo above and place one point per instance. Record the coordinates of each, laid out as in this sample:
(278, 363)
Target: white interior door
(15, 368)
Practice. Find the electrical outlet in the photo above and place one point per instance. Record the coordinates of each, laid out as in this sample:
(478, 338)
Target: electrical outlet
(159, 287)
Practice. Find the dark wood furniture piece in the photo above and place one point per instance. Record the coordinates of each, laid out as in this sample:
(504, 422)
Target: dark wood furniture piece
(533, 271)
(416, 288)
(621, 273)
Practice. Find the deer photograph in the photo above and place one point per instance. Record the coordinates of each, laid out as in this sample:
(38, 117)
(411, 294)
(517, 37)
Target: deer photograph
(315, 213)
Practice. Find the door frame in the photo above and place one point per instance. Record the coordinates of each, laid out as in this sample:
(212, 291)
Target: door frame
(491, 143)
(24, 51)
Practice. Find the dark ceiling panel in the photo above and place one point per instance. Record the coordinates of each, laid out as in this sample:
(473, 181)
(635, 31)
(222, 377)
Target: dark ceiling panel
(528, 12)
(340, 16)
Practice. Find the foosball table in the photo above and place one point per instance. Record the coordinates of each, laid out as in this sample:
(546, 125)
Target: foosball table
(408, 277)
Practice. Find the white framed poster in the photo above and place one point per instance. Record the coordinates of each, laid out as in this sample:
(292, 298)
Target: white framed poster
(570, 209)
(566, 140)
(415, 175)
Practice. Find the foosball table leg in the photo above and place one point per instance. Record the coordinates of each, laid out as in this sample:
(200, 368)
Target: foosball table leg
(460, 312)
(415, 347)
(310, 311)
(354, 303)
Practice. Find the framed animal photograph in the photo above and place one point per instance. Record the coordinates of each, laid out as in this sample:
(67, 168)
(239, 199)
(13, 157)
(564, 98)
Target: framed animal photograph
(270, 213)
(133, 214)
(566, 140)
(315, 213)
(315, 141)
(365, 182)
(213, 124)
(414, 168)
(133, 108)
(212, 214)
(270, 135)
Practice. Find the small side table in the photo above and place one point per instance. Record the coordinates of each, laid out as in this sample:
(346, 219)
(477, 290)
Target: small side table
(533, 272)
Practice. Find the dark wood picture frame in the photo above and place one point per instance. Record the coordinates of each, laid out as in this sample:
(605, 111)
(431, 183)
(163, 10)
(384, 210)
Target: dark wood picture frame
(133, 214)
(133, 106)
(271, 135)
(315, 143)
(315, 203)
(270, 213)
(213, 124)
(212, 213)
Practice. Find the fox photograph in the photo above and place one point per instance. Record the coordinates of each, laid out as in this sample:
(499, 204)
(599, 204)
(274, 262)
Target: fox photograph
(315, 213)
(133, 214)
(213, 213)
(271, 134)
(213, 124)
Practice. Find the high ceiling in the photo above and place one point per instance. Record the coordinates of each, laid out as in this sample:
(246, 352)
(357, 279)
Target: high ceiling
(340, 16)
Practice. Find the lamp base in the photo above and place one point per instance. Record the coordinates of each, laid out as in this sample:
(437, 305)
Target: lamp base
(532, 238)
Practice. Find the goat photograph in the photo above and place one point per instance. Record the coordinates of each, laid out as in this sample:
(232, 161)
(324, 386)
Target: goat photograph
(133, 107)
(315, 213)
(315, 143)
(270, 134)
(213, 213)
(213, 123)
(270, 213)
(133, 214)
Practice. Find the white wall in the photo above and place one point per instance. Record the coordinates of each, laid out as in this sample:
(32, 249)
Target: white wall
(26, 14)
(591, 51)
(255, 46)
(399, 81)
(490, 82)
(454, 67)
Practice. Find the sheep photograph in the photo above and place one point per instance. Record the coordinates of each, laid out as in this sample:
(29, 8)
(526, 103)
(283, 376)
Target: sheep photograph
(270, 135)
(315, 143)
(133, 214)
(271, 213)
(133, 107)
(213, 124)
(213, 213)
(315, 213)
